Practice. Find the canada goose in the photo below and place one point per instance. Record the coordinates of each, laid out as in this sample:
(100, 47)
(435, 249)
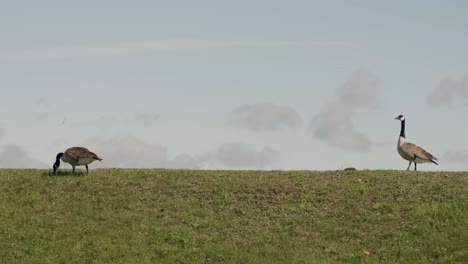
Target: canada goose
(76, 156)
(410, 151)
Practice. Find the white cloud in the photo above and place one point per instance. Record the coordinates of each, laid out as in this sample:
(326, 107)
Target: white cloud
(146, 119)
(131, 152)
(2, 132)
(184, 161)
(239, 156)
(104, 121)
(455, 156)
(13, 156)
(266, 116)
(448, 91)
(136, 48)
(360, 90)
(128, 152)
(334, 123)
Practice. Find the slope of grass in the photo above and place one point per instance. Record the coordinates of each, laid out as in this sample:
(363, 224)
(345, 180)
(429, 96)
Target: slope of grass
(183, 216)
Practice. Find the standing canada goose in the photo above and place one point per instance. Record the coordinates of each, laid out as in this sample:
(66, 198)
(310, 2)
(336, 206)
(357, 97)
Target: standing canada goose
(76, 156)
(410, 151)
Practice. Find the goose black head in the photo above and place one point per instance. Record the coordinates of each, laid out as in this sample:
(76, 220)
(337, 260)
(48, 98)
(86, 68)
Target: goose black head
(400, 117)
(57, 162)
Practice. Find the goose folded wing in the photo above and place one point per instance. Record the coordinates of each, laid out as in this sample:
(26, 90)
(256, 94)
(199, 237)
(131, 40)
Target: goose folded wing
(79, 152)
(417, 152)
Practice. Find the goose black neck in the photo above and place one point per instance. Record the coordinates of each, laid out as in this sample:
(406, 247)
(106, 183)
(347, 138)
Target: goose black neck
(57, 159)
(402, 131)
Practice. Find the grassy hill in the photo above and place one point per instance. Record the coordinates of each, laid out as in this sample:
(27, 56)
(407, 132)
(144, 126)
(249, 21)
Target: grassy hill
(183, 216)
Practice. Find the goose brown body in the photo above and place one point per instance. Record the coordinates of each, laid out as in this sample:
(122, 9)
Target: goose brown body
(76, 156)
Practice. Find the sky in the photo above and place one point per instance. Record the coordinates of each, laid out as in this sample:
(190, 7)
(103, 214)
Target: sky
(262, 85)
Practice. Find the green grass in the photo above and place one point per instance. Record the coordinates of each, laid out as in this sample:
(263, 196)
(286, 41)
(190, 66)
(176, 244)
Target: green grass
(184, 216)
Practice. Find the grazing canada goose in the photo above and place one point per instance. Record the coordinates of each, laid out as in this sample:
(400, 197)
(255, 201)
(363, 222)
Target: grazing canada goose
(410, 151)
(76, 156)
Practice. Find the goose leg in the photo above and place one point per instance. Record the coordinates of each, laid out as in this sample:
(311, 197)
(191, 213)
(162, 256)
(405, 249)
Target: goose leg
(409, 165)
(73, 168)
(415, 167)
(87, 168)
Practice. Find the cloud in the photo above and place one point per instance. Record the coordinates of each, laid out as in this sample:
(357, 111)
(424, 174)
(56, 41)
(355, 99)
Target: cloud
(362, 89)
(13, 156)
(2, 132)
(455, 156)
(105, 121)
(146, 119)
(334, 125)
(138, 48)
(447, 91)
(183, 161)
(131, 152)
(266, 116)
(239, 156)
(334, 122)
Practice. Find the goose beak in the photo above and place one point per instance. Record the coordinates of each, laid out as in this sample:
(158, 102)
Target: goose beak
(397, 117)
